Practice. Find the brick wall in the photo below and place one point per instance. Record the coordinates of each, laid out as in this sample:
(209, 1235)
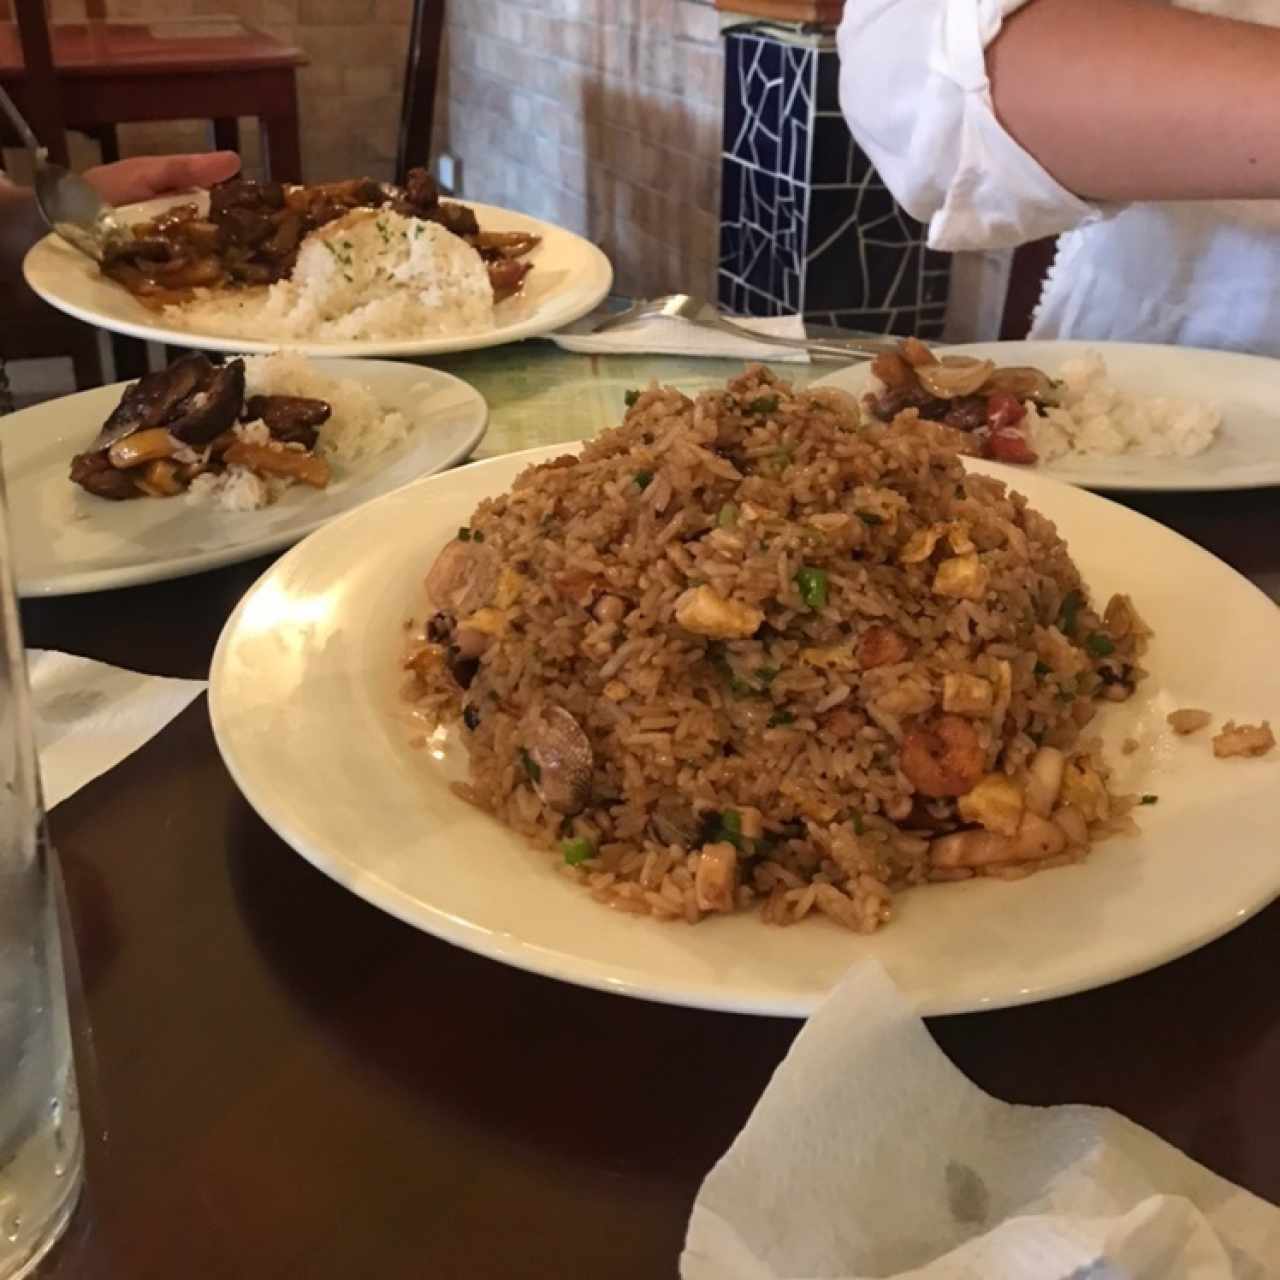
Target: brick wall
(601, 115)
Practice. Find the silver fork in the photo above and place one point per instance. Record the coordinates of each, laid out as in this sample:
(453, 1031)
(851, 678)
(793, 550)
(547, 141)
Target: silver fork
(685, 306)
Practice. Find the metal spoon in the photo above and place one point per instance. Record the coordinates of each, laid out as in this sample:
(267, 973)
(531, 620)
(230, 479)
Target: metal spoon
(68, 203)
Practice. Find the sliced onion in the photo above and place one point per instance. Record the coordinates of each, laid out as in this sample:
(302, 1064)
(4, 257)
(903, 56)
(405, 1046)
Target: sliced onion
(893, 371)
(1023, 383)
(915, 353)
(954, 376)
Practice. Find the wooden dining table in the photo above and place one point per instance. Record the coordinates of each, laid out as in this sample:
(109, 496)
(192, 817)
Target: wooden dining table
(282, 1081)
(214, 68)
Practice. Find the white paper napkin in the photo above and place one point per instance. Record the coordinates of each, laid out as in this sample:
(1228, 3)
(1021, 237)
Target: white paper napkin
(870, 1155)
(90, 716)
(662, 335)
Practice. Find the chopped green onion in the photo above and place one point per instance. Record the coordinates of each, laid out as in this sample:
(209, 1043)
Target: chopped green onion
(728, 516)
(1041, 668)
(1071, 605)
(1099, 644)
(858, 825)
(464, 534)
(531, 766)
(1067, 692)
(630, 398)
(870, 517)
(739, 687)
(812, 584)
(762, 405)
(780, 718)
(577, 850)
(643, 479)
(727, 828)
(1149, 800)
(477, 535)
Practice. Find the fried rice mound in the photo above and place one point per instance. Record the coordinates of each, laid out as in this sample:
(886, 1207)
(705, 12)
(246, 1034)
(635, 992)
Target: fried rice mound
(747, 651)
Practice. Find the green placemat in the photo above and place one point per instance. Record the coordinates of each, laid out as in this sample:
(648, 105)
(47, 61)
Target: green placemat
(539, 394)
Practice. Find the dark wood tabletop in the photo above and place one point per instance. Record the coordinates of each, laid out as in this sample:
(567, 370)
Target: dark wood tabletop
(292, 1084)
(161, 47)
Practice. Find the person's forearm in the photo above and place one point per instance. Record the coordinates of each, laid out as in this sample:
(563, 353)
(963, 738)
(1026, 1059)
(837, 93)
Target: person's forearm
(1135, 100)
(20, 227)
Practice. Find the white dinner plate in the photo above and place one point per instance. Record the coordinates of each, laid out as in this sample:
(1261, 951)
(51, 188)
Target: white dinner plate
(305, 707)
(67, 541)
(1245, 389)
(570, 276)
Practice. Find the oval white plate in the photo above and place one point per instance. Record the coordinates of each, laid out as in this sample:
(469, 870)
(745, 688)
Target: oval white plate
(569, 278)
(67, 541)
(304, 703)
(1245, 389)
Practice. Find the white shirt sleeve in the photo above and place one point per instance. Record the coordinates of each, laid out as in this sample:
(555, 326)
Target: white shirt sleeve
(914, 89)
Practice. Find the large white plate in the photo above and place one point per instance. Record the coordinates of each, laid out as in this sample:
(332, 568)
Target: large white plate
(1246, 389)
(305, 711)
(569, 278)
(67, 541)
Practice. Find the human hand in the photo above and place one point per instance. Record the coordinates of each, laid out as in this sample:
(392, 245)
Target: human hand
(141, 177)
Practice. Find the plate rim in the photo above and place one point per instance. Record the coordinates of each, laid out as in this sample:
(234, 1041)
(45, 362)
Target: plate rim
(594, 974)
(1122, 484)
(86, 582)
(600, 273)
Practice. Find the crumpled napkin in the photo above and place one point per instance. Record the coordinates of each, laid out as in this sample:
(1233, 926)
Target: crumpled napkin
(870, 1155)
(664, 335)
(89, 716)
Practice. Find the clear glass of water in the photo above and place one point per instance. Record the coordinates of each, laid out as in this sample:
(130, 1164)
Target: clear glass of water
(41, 1147)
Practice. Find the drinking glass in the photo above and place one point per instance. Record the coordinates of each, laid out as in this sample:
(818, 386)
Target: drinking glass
(41, 1147)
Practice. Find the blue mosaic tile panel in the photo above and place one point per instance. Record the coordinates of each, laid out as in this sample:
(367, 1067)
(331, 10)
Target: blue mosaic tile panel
(806, 223)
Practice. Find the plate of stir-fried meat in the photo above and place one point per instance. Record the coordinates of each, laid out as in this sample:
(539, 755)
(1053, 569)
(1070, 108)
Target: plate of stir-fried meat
(208, 462)
(344, 268)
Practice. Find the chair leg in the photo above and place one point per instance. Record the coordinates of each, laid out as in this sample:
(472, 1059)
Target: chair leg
(226, 134)
(6, 392)
(130, 356)
(284, 148)
(86, 362)
(422, 73)
(108, 141)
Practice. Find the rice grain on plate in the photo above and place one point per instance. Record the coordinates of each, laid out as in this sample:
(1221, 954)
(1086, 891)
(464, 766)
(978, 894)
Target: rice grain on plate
(745, 651)
(372, 275)
(1096, 417)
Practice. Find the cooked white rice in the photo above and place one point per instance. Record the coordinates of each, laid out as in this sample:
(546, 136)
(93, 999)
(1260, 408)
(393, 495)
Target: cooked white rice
(1097, 418)
(372, 275)
(359, 427)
